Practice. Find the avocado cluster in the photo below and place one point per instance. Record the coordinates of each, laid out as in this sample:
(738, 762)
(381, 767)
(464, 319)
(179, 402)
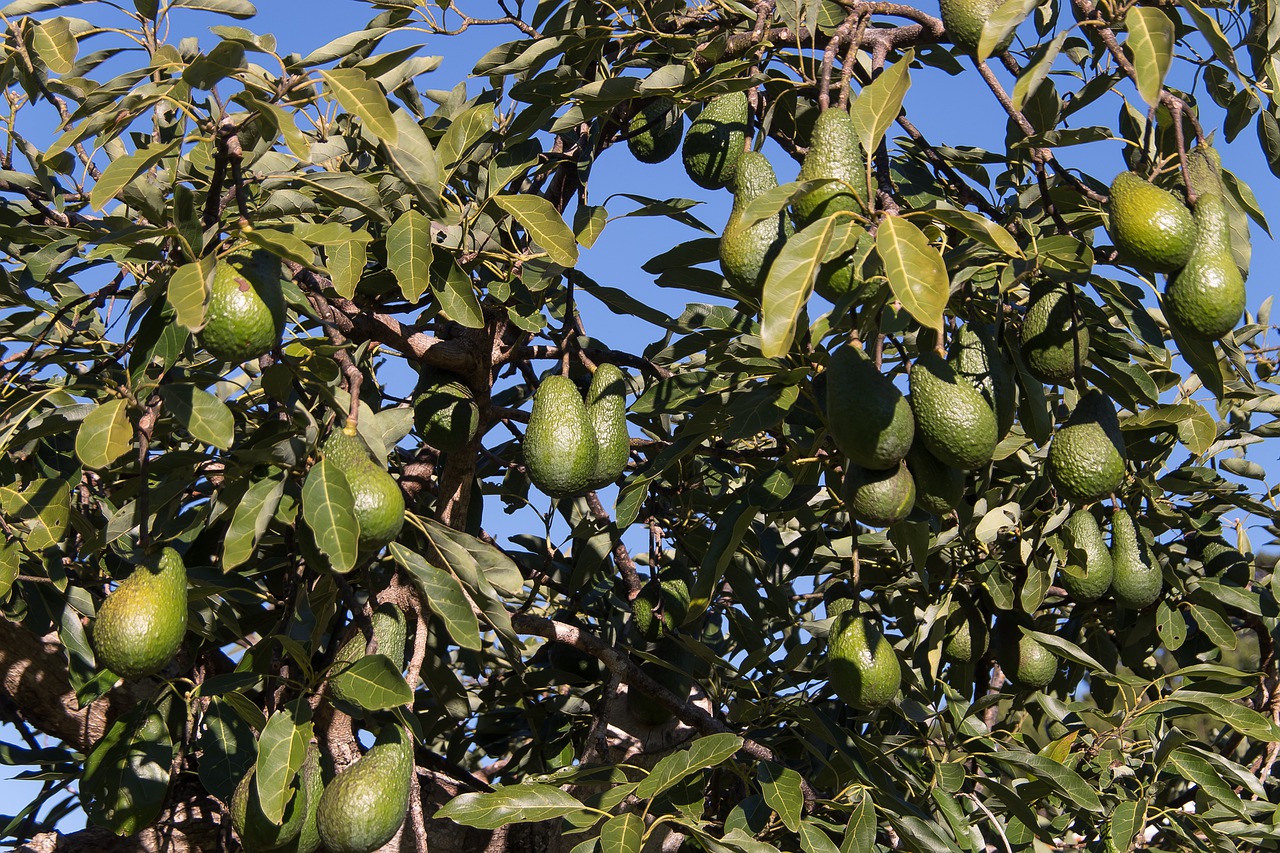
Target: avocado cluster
(572, 445)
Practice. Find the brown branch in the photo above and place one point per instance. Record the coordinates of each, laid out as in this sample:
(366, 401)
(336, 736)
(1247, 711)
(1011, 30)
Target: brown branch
(621, 555)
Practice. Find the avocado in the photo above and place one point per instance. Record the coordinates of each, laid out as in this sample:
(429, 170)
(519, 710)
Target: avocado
(747, 250)
(297, 831)
(607, 410)
(389, 630)
(965, 19)
(1138, 581)
(560, 447)
(879, 498)
(660, 608)
(1204, 170)
(1048, 347)
(673, 674)
(1086, 459)
(245, 315)
(975, 355)
(967, 634)
(953, 420)
(839, 597)
(868, 417)
(445, 411)
(1027, 662)
(835, 153)
(861, 665)
(655, 130)
(939, 488)
(364, 805)
(140, 624)
(1150, 226)
(377, 500)
(1087, 574)
(715, 141)
(1206, 297)
(1222, 561)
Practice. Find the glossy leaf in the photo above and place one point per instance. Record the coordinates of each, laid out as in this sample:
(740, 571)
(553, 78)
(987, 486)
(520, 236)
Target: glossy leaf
(1150, 43)
(105, 435)
(327, 507)
(915, 270)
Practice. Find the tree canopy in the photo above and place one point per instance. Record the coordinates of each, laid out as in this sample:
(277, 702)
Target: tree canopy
(299, 477)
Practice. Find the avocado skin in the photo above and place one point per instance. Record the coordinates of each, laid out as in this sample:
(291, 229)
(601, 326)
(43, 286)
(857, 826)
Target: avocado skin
(1138, 581)
(965, 19)
(1028, 663)
(879, 498)
(1207, 296)
(1088, 559)
(975, 355)
(967, 633)
(868, 417)
(389, 629)
(377, 500)
(715, 141)
(939, 488)
(607, 409)
(1150, 226)
(663, 127)
(140, 625)
(670, 598)
(835, 152)
(1086, 459)
(746, 251)
(444, 411)
(245, 315)
(364, 805)
(560, 447)
(862, 666)
(1048, 346)
(953, 421)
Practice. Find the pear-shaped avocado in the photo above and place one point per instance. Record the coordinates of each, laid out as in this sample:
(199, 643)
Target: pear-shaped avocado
(1087, 574)
(376, 497)
(967, 635)
(296, 833)
(953, 421)
(560, 447)
(975, 355)
(861, 665)
(1150, 226)
(1048, 346)
(1137, 582)
(1204, 170)
(868, 417)
(1027, 662)
(965, 19)
(245, 315)
(879, 498)
(389, 630)
(364, 805)
(747, 250)
(1220, 560)
(655, 130)
(444, 411)
(835, 153)
(673, 674)
(607, 408)
(715, 141)
(1086, 457)
(1206, 297)
(140, 625)
(939, 488)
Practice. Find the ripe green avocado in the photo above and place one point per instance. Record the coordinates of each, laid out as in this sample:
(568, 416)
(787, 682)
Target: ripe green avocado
(1150, 226)
(560, 447)
(967, 635)
(297, 832)
(1026, 661)
(140, 625)
(965, 19)
(1138, 581)
(364, 805)
(975, 355)
(389, 630)
(655, 131)
(715, 141)
(1087, 574)
(1087, 457)
(376, 497)
(953, 420)
(861, 665)
(747, 250)
(1206, 297)
(660, 608)
(868, 417)
(444, 411)
(245, 315)
(1048, 346)
(835, 153)
(879, 498)
(939, 488)
(607, 410)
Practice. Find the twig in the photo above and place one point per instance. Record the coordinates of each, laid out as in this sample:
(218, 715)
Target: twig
(621, 555)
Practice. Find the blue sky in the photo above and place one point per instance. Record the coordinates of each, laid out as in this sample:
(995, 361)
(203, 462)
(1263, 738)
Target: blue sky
(957, 110)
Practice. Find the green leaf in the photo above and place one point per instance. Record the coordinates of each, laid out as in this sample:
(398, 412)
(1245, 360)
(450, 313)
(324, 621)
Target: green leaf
(1035, 72)
(860, 832)
(126, 776)
(705, 752)
(121, 172)
(188, 293)
(282, 747)
(978, 227)
(451, 287)
(227, 750)
(878, 105)
(790, 280)
(362, 97)
(55, 44)
(105, 435)
(781, 789)
(1218, 42)
(1003, 21)
(1195, 769)
(813, 839)
(233, 8)
(1171, 625)
(1066, 649)
(327, 507)
(915, 270)
(253, 513)
(770, 202)
(1215, 627)
(284, 244)
(346, 263)
(544, 225)
(409, 253)
(623, 833)
(444, 595)
(414, 160)
(203, 415)
(375, 683)
(1127, 820)
(526, 803)
(1150, 42)
(1061, 778)
(464, 132)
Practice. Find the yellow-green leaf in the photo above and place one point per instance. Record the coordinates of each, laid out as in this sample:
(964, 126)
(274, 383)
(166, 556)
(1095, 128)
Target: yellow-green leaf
(121, 171)
(281, 750)
(544, 225)
(252, 515)
(327, 507)
(409, 253)
(878, 105)
(915, 270)
(189, 292)
(203, 415)
(55, 44)
(790, 280)
(1150, 42)
(362, 97)
(1003, 21)
(346, 262)
(105, 435)
(1036, 72)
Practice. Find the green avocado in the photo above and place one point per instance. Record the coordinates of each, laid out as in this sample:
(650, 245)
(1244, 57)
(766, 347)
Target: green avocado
(939, 488)
(1150, 226)
(389, 629)
(376, 496)
(655, 131)
(607, 409)
(1138, 581)
(560, 447)
(715, 141)
(975, 355)
(953, 420)
(364, 805)
(140, 625)
(660, 608)
(1087, 574)
(747, 250)
(444, 411)
(245, 314)
(1027, 662)
(965, 20)
(1206, 297)
(879, 498)
(835, 153)
(1086, 459)
(861, 665)
(967, 635)
(868, 417)
(1048, 347)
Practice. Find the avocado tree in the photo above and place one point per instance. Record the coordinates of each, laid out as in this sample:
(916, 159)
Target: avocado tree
(922, 517)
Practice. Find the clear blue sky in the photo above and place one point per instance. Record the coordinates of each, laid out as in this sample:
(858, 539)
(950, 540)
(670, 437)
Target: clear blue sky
(956, 110)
